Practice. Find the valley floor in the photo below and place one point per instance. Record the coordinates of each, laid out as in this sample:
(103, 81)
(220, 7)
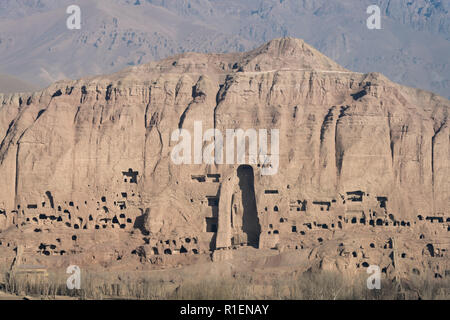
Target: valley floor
(248, 276)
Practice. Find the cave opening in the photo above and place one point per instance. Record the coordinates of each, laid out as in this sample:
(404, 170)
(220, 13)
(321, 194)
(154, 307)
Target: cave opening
(250, 221)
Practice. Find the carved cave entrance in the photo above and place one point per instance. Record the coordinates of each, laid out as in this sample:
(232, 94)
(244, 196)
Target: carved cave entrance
(250, 221)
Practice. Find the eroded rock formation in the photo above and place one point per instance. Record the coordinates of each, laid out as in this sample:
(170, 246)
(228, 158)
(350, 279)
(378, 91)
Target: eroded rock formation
(87, 173)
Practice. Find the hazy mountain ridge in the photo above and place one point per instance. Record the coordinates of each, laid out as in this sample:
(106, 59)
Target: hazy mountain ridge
(10, 84)
(411, 49)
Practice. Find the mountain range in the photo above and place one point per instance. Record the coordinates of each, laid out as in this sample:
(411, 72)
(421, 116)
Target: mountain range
(412, 47)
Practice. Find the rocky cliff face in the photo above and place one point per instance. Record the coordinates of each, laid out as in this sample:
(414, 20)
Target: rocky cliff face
(89, 162)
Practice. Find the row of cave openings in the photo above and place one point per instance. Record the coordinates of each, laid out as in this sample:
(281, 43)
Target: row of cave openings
(65, 215)
(187, 245)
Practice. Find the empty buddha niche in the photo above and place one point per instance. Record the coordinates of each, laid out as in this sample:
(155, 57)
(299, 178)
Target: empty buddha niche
(244, 217)
(237, 211)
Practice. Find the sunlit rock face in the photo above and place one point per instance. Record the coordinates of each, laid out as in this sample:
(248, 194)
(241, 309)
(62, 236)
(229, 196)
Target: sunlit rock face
(88, 171)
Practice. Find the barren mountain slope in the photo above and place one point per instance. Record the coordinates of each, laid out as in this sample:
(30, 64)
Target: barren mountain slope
(412, 47)
(88, 174)
(10, 84)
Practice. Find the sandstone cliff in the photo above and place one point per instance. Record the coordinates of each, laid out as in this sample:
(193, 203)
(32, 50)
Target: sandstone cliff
(88, 162)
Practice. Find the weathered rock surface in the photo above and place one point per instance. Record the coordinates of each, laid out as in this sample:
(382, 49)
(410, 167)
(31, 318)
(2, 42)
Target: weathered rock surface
(363, 171)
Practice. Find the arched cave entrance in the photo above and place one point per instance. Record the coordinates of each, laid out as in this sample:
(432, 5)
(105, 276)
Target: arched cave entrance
(250, 221)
